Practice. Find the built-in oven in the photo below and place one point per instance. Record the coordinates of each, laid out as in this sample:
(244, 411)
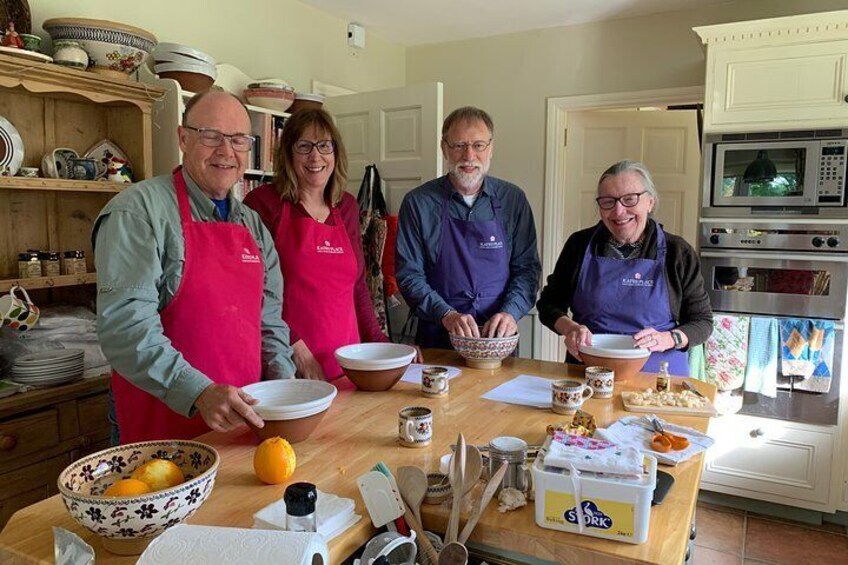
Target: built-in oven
(781, 270)
(776, 173)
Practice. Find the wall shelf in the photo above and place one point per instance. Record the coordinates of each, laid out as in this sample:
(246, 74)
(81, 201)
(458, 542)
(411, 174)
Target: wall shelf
(60, 185)
(48, 282)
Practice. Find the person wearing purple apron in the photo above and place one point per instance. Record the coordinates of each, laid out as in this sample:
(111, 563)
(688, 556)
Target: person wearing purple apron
(471, 272)
(466, 259)
(628, 276)
(624, 296)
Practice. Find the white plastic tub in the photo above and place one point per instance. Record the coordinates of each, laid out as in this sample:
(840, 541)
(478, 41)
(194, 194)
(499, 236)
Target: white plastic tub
(614, 507)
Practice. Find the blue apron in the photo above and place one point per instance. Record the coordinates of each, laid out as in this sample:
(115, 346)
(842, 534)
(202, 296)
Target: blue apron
(623, 296)
(471, 271)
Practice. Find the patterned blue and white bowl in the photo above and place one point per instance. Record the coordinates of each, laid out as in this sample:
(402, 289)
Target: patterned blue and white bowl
(127, 524)
(114, 49)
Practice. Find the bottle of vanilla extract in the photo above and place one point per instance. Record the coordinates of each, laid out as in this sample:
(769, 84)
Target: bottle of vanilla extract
(662, 377)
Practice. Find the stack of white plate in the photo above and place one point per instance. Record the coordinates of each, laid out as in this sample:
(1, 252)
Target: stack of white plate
(173, 57)
(47, 368)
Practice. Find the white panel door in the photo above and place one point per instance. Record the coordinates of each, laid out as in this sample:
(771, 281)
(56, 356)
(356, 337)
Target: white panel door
(667, 142)
(398, 130)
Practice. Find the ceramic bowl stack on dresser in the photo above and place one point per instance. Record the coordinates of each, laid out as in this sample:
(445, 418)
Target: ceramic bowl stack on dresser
(49, 368)
(274, 94)
(193, 69)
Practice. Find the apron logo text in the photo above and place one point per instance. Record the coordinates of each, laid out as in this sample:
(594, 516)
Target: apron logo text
(636, 280)
(248, 257)
(493, 243)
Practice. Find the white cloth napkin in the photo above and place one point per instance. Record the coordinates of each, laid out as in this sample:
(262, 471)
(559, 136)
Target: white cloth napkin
(333, 515)
(588, 454)
(637, 432)
(201, 545)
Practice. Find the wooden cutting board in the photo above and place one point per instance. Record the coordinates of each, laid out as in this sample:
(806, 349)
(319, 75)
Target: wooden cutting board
(706, 410)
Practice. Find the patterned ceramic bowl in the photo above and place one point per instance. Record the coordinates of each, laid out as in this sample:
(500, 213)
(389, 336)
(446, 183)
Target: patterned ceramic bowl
(127, 524)
(484, 352)
(114, 49)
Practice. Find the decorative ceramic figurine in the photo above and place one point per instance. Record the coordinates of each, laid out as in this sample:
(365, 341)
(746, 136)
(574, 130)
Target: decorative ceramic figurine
(118, 170)
(70, 54)
(11, 38)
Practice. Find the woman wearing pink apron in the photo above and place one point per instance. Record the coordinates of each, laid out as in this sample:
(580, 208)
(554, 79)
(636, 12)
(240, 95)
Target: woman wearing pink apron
(315, 223)
(200, 323)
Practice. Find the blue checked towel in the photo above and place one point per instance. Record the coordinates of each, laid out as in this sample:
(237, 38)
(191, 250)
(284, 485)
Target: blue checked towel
(763, 346)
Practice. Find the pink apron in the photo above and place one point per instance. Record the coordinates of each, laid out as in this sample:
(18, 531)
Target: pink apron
(319, 273)
(214, 321)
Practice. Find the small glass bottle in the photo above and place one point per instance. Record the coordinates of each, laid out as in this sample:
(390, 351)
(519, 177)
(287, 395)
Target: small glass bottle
(662, 377)
(300, 499)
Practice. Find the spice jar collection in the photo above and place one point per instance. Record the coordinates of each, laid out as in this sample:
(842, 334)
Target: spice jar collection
(34, 263)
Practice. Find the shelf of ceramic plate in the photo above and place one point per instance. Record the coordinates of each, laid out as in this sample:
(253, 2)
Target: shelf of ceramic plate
(48, 282)
(60, 185)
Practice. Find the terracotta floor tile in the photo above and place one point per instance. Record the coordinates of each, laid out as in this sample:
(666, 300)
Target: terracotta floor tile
(824, 527)
(720, 508)
(782, 543)
(707, 556)
(719, 530)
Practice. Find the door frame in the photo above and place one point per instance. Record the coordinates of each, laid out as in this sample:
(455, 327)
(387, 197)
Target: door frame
(557, 215)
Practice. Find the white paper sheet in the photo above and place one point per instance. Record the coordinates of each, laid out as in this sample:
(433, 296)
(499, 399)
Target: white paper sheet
(413, 373)
(525, 390)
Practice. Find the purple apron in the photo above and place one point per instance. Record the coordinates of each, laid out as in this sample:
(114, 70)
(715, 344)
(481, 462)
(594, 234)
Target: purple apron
(471, 271)
(623, 296)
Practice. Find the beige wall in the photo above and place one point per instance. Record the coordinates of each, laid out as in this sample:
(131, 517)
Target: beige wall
(265, 38)
(511, 76)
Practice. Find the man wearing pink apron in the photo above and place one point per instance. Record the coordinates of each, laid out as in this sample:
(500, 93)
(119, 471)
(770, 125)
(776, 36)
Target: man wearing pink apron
(189, 288)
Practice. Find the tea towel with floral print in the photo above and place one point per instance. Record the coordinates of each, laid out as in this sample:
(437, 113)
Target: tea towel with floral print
(727, 351)
(595, 455)
(806, 350)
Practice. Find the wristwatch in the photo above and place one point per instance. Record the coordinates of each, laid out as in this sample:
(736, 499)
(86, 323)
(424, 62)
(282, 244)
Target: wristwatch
(678, 341)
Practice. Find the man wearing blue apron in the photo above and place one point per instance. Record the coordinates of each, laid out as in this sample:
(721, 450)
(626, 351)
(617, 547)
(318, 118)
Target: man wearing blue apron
(467, 262)
(627, 276)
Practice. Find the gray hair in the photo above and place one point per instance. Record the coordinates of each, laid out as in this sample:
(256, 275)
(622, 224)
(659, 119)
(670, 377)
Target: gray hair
(637, 167)
(467, 114)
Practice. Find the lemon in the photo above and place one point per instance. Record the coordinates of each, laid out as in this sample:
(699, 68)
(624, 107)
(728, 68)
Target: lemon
(159, 474)
(127, 487)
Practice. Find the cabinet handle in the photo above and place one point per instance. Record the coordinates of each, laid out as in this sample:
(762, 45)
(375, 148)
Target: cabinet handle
(7, 442)
(757, 433)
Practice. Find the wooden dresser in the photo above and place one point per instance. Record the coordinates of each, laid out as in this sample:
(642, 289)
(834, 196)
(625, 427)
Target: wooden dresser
(43, 431)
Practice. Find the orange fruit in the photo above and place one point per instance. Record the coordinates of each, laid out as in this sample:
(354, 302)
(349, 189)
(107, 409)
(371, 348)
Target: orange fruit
(127, 487)
(159, 474)
(274, 461)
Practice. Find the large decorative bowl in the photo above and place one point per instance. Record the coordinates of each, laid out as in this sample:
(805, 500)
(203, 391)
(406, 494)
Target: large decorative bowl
(114, 48)
(127, 524)
(618, 352)
(375, 367)
(291, 408)
(484, 352)
(279, 99)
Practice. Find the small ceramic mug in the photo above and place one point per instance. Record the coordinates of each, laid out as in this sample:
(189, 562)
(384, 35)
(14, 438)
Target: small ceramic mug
(18, 313)
(434, 381)
(415, 426)
(602, 381)
(568, 396)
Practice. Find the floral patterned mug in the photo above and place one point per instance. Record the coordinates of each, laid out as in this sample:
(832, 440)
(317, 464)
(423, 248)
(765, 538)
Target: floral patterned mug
(415, 426)
(568, 396)
(18, 313)
(434, 381)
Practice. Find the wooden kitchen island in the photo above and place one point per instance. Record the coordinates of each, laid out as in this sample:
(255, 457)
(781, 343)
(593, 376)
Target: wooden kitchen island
(360, 430)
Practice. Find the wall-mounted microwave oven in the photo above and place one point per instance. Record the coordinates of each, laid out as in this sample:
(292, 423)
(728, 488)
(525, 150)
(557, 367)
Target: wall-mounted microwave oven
(776, 172)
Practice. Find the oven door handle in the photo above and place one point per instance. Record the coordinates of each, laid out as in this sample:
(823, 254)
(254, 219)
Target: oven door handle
(776, 256)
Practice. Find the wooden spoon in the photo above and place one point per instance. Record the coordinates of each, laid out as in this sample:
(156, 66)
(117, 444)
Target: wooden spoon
(453, 554)
(412, 482)
(488, 492)
(457, 471)
(473, 468)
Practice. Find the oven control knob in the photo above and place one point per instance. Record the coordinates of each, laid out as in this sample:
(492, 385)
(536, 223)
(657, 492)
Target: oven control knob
(832, 242)
(818, 242)
(714, 239)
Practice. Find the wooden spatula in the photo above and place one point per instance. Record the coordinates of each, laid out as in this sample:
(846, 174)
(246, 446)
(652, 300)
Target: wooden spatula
(457, 472)
(412, 482)
(488, 492)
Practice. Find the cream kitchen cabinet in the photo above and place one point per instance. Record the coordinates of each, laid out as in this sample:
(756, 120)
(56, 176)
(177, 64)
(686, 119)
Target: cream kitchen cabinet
(772, 460)
(777, 74)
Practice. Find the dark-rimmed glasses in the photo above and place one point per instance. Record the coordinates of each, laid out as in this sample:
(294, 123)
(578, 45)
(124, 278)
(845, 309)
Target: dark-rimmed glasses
(477, 146)
(304, 146)
(211, 137)
(628, 200)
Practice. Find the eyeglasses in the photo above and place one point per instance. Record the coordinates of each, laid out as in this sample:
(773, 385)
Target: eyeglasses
(477, 146)
(304, 146)
(210, 137)
(628, 200)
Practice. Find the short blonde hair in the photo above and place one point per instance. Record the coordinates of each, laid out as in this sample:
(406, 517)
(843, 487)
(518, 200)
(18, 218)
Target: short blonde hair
(296, 125)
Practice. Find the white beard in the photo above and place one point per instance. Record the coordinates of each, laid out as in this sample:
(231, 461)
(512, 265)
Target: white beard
(468, 181)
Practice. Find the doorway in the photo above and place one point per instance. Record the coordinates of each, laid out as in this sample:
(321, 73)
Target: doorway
(586, 134)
